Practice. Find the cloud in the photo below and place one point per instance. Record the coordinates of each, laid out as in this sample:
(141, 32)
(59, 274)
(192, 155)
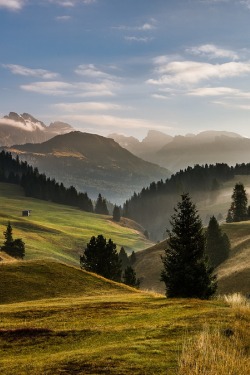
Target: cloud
(104, 88)
(80, 89)
(50, 88)
(22, 70)
(28, 126)
(164, 59)
(72, 3)
(106, 121)
(12, 4)
(192, 72)
(63, 18)
(246, 3)
(144, 27)
(87, 106)
(212, 52)
(138, 39)
(219, 91)
(89, 1)
(159, 96)
(90, 70)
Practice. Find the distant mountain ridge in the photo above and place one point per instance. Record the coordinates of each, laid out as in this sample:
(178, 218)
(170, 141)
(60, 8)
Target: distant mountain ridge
(24, 128)
(179, 152)
(91, 163)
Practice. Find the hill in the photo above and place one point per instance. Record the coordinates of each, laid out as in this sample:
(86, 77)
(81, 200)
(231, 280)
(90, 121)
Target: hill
(91, 163)
(77, 323)
(43, 279)
(25, 128)
(210, 187)
(233, 274)
(61, 232)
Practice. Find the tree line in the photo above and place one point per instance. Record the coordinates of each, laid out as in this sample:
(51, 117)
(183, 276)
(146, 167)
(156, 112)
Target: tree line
(153, 206)
(37, 185)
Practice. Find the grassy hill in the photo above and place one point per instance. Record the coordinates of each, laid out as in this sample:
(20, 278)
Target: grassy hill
(77, 323)
(38, 279)
(233, 274)
(61, 232)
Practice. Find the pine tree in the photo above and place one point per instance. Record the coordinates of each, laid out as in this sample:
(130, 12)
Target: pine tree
(116, 213)
(186, 272)
(217, 243)
(100, 256)
(132, 258)
(238, 210)
(129, 277)
(101, 206)
(123, 256)
(11, 246)
(8, 236)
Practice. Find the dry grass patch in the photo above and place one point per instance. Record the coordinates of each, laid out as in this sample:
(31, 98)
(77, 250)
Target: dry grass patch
(221, 351)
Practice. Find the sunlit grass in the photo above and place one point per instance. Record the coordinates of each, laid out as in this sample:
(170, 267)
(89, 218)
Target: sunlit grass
(120, 333)
(59, 231)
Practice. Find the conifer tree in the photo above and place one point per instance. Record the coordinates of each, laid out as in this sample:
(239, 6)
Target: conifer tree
(186, 272)
(123, 256)
(8, 235)
(100, 256)
(116, 213)
(132, 258)
(101, 206)
(11, 246)
(129, 277)
(238, 210)
(217, 243)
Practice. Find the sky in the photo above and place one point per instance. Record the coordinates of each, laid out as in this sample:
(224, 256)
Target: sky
(127, 66)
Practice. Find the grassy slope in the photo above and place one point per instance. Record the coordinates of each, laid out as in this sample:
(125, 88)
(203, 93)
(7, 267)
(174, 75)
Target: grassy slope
(60, 232)
(106, 329)
(38, 279)
(234, 274)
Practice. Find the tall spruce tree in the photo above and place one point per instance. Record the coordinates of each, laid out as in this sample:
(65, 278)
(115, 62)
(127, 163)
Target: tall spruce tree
(217, 243)
(8, 236)
(123, 256)
(129, 277)
(186, 272)
(116, 213)
(238, 210)
(11, 246)
(101, 206)
(100, 256)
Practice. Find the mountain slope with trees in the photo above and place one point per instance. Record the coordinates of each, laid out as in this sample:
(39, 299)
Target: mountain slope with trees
(233, 274)
(207, 184)
(91, 162)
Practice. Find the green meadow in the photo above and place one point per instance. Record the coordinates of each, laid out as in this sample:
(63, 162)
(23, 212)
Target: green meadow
(56, 319)
(61, 320)
(61, 232)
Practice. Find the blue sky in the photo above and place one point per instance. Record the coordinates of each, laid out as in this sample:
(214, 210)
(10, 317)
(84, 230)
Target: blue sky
(127, 66)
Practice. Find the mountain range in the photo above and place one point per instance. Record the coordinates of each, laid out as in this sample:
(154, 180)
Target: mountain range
(179, 152)
(91, 163)
(25, 128)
